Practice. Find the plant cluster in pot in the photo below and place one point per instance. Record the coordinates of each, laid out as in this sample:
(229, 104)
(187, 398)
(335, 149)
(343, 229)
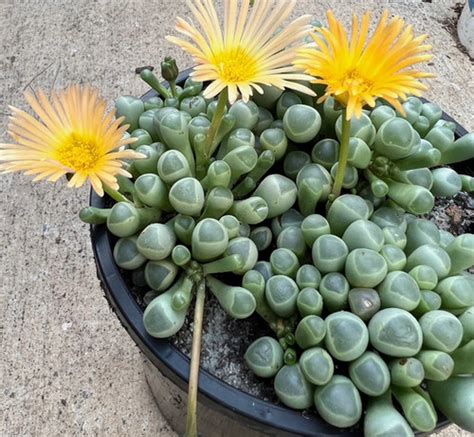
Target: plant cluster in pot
(287, 176)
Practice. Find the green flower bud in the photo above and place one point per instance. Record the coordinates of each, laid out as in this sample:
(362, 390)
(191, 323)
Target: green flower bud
(169, 69)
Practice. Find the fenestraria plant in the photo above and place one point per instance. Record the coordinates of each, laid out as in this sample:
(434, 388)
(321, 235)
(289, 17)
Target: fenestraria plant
(73, 134)
(357, 70)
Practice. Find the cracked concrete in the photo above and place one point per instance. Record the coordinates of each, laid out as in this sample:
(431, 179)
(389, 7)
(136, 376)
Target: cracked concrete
(68, 368)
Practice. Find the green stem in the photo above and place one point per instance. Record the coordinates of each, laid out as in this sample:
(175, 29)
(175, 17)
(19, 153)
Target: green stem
(114, 194)
(216, 121)
(173, 88)
(343, 155)
(191, 420)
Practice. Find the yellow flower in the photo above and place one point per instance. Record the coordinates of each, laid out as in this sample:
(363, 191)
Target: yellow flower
(247, 51)
(73, 134)
(359, 70)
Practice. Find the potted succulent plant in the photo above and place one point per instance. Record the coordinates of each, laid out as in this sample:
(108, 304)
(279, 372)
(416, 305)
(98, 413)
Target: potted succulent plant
(287, 177)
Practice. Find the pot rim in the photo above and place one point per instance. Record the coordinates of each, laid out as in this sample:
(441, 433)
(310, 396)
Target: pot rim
(164, 355)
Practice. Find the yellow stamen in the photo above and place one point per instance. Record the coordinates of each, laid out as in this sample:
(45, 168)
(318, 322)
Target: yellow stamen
(78, 154)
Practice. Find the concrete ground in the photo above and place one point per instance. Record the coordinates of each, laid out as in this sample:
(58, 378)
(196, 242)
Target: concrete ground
(68, 368)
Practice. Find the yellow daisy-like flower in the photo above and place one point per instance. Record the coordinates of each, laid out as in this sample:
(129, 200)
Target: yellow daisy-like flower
(358, 70)
(73, 134)
(247, 51)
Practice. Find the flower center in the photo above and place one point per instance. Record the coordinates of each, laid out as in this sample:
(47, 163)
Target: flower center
(235, 65)
(355, 82)
(78, 154)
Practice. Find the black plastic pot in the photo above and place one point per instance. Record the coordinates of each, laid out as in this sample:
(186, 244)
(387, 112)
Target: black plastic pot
(223, 409)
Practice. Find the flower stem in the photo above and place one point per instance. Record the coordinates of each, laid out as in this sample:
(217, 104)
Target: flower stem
(216, 121)
(343, 155)
(191, 420)
(114, 194)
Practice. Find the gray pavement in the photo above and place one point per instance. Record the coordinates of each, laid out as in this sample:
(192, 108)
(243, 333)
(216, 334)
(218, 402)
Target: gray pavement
(67, 367)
